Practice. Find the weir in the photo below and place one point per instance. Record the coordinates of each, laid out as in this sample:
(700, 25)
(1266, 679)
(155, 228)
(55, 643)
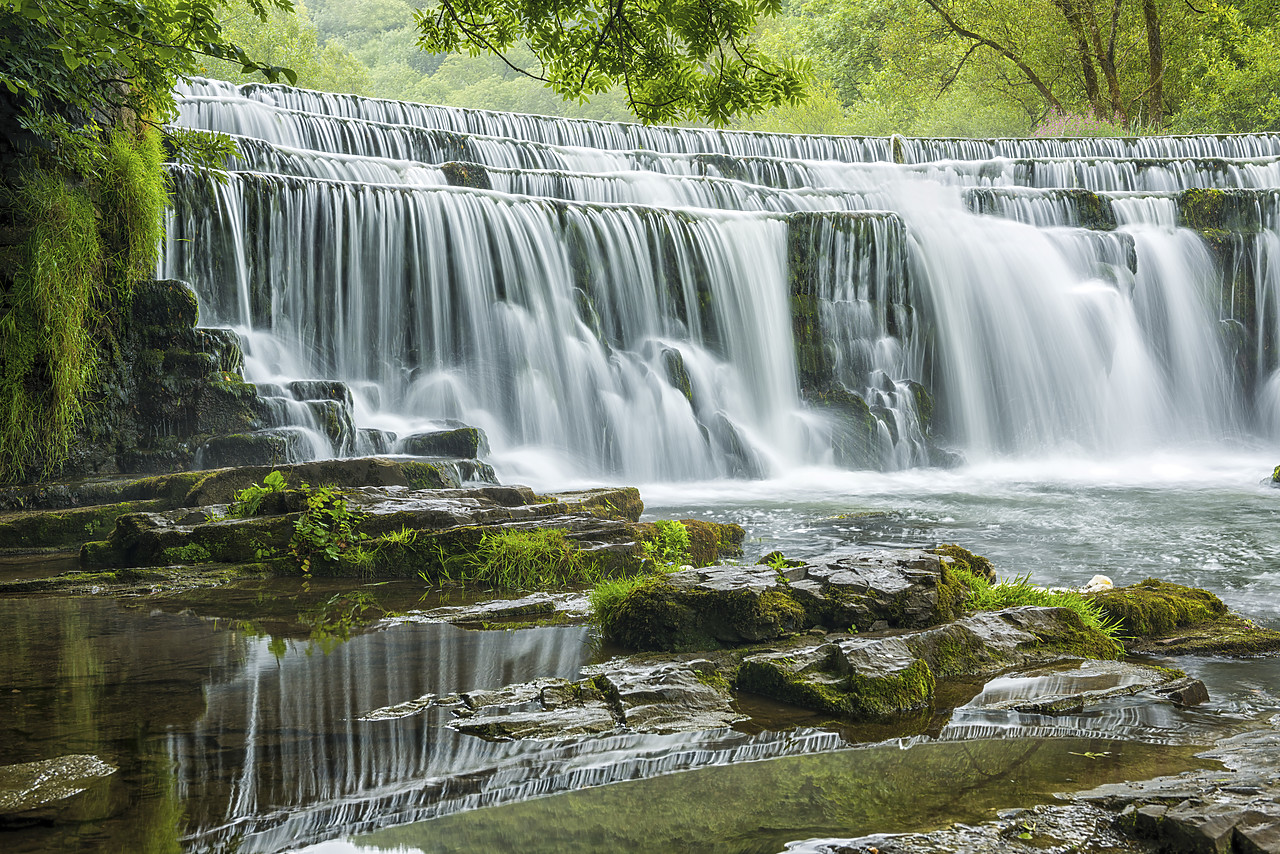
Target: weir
(664, 303)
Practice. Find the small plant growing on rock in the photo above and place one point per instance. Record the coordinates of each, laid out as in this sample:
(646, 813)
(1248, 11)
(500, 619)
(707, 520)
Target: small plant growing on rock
(247, 501)
(670, 544)
(527, 559)
(325, 530)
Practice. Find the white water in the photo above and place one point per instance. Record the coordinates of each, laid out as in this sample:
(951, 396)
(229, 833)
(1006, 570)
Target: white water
(556, 310)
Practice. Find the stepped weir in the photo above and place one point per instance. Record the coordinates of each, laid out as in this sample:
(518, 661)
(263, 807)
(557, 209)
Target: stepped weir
(607, 299)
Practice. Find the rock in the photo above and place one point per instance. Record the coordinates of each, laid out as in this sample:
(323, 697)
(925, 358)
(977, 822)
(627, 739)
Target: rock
(876, 678)
(29, 791)
(330, 390)
(857, 678)
(534, 608)
(220, 487)
(462, 442)
(664, 697)
(1171, 619)
(1185, 692)
(259, 448)
(1069, 688)
(717, 606)
(640, 696)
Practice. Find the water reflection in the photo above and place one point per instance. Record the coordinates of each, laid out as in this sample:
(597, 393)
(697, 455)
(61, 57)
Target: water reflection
(757, 808)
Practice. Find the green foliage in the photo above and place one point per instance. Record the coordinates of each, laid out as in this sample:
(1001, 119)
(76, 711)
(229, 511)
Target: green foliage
(289, 39)
(1234, 75)
(333, 620)
(670, 544)
(132, 194)
(190, 553)
(541, 557)
(247, 501)
(676, 60)
(46, 325)
(606, 599)
(326, 529)
(73, 65)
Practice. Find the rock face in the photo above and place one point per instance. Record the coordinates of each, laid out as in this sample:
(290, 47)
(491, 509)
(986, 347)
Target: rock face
(169, 388)
(729, 605)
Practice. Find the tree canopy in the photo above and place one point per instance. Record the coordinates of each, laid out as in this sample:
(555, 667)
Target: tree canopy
(68, 64)
(675, 59)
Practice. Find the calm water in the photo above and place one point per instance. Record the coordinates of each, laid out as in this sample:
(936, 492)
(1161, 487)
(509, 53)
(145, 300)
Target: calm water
(235, 717)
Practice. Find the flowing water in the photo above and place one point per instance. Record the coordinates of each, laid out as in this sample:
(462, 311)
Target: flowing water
(619, 304)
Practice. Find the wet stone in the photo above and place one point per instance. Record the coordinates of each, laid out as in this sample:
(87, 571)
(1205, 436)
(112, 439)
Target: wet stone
(732, 605)
(36, 786)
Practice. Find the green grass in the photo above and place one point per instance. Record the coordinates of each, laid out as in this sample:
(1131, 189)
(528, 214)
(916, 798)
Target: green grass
(91, 236)
(607, 596)
(984, 596)
(523, 560)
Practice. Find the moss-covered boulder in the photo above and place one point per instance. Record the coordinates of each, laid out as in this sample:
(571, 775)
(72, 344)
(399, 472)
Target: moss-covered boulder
(1159, 616)
(466, 443)
(731, 605)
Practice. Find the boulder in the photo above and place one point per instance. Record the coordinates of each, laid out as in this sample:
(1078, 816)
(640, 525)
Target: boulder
(466, 443)
(731, 605)
(881, 677)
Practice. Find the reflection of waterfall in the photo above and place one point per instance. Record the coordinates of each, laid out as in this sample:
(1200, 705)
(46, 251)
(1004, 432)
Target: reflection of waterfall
(684, 303)
(296, 762)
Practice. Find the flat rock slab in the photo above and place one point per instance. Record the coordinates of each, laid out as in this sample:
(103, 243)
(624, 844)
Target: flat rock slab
(733, 605)
(1068, 689)
(207, 534)
(536, 607)
(621, 695)
(880, 677)
(37, 785)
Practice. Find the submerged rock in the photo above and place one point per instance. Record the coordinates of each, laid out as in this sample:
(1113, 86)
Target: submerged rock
(30, 791)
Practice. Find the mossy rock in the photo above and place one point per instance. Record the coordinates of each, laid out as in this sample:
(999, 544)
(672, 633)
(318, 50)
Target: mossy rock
(427, 475)
(466, 443)
(1154, 607)
(852, 679)
(39, 529)
(961, 557)
(656, 616)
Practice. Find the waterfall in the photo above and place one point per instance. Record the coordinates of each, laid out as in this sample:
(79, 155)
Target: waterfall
(672, 303)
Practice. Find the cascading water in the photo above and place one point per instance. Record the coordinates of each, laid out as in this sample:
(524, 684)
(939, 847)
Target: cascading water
(679, 303)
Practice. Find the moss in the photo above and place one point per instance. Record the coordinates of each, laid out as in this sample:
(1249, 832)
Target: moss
(1154, 607)
(71, 527)
(1074, 638)
(677, 374)
(1209, 209)
(188, 554)
(422, 475)
(963, 558)
(856, 696)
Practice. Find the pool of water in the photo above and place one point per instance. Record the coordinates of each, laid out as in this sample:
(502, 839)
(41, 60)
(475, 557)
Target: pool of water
(235, 716)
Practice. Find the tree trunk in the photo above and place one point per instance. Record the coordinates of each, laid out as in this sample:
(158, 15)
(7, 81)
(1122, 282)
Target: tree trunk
(1155, 54)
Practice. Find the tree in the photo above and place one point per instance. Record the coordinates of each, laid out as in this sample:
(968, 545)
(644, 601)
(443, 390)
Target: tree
(68, 65)
(675, 59)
